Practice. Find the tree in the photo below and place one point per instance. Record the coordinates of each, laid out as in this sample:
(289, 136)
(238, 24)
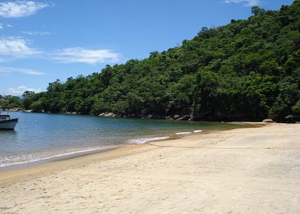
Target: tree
(248, 69)
(287, 98)
(296, 110)
(28, 94)
(257, 11)
(37, 106)
(154, 54)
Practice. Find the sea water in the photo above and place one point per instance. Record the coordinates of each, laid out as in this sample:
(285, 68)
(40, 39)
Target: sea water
(40, 138)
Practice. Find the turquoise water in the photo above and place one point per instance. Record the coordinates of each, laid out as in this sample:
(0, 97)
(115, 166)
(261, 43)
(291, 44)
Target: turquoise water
(44, 137)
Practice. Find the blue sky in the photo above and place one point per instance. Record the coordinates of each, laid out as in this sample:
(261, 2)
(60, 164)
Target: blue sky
(41, 41)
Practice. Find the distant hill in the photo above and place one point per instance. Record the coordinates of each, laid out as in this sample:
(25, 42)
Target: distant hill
(246, 70)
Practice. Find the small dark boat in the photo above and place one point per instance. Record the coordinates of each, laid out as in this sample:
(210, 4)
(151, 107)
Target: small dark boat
(6, 122)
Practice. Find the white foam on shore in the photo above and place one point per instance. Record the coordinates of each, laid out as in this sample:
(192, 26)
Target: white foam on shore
(45, 155)
(145, 140)
(183, 133)
(41, 156)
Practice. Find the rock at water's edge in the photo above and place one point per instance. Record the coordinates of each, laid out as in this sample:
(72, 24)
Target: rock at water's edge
(268, 121)
(107, 114)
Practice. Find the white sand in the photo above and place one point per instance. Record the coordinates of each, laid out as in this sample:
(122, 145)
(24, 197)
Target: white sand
(239, 171)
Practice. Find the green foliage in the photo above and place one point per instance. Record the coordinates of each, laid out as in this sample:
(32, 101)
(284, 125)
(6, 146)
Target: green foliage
(37, 106)
(10, 102)
(246, 70)
(287, 97)
(257, 11)
(296, 110)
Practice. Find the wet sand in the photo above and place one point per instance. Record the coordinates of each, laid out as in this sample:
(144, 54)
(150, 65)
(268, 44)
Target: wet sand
(254, 170)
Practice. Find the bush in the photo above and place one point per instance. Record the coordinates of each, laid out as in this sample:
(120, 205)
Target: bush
(36, 106)
(296, 110)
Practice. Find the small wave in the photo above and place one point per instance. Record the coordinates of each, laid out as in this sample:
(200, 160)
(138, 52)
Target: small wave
(42, 156)
(197, 131)
(183, 133)
(145, 140)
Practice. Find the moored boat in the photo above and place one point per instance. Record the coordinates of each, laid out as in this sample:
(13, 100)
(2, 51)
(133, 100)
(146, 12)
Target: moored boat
(6, 122)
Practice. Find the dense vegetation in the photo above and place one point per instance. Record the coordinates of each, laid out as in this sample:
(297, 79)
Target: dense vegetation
(246, 70)
(10, 102)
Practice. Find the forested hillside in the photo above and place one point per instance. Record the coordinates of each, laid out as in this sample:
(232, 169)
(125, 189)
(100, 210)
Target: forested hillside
(246, 70)
(10, 102)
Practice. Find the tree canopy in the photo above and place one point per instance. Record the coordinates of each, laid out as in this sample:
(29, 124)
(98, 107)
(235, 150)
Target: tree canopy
(246, 70)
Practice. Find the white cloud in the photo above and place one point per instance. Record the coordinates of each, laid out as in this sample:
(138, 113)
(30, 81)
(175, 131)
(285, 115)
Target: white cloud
(3, 25)
(21, 89)
(4, 69)
(248, 3)
(33, 33)
(15, 47)
(80, 55)
(18, 9)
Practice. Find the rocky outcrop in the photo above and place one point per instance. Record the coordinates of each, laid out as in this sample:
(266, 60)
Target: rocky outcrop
(27, 111)
(18, 110)
(107, 114)
(176, 117)
(14, 109)
(268, 121)
(184, 117)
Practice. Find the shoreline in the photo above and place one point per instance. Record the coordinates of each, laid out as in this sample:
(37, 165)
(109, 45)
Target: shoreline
(70, 153)
(51, 159)
(80, 160)
(14, 175)
(233, 171)
(61, 159)
(171, 117)
(82, 153)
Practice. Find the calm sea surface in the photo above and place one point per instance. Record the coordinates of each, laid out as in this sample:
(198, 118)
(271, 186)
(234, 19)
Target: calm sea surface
(40, 138)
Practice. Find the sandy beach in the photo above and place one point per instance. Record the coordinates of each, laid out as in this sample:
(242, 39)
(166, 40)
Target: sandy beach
(253, 170)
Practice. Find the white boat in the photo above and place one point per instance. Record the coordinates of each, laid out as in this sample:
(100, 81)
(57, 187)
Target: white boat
(6, 122)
